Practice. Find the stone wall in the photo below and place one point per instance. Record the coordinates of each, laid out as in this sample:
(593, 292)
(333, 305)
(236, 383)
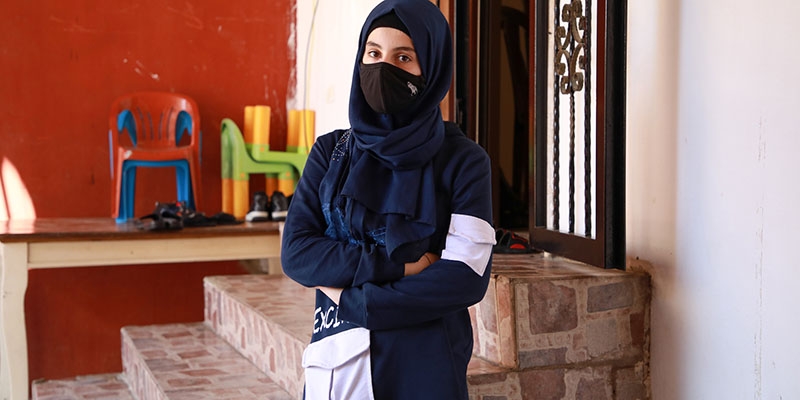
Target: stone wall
(560, 329)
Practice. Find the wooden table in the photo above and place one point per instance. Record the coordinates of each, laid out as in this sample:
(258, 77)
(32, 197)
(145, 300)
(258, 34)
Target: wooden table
(73, 242)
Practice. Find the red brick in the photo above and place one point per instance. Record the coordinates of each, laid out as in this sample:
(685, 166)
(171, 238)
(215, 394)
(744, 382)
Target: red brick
(553, 308)
(543, 384)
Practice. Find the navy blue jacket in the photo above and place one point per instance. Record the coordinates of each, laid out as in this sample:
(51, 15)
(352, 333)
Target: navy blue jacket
(421, 337)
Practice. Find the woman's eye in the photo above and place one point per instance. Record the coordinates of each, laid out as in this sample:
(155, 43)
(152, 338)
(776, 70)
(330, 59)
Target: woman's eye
(404, 58)
(373, 53)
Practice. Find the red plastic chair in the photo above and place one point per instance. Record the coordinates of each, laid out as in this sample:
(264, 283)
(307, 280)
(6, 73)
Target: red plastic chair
(155, 123)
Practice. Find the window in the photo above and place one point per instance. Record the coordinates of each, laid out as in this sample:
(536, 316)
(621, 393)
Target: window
(559, 155)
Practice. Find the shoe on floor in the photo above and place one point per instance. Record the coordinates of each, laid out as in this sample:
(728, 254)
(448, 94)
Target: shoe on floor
(197, 219)
(259, 209)
(223, 218)
(510, 243)
(279, 206)
(165, 217)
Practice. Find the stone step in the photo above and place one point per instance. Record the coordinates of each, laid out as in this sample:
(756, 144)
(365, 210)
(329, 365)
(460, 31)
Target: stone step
(267, 318)
(604, 382)
(541, 314)
(90, 387)
(543, 311)
(189, 361)
(547, 328)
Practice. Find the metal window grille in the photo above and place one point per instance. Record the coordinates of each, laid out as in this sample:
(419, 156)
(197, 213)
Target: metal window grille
(578, 200)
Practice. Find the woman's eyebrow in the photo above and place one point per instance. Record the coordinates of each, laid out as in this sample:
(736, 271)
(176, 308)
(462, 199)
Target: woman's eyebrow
(398, 48)
(405, 48)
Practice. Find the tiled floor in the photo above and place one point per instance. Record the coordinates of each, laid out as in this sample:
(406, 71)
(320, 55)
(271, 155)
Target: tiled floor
(189, 361)
(95, 387)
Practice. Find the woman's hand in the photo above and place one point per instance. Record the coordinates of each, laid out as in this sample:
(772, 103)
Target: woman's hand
(333, 293)
(424, 262)
(411, 269)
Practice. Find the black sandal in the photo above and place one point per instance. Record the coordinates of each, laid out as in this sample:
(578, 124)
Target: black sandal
(224, 218)
(166, 217)
(175, 216)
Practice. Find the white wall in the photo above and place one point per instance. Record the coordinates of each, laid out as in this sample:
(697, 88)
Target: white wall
(323, 82)
(713, 201)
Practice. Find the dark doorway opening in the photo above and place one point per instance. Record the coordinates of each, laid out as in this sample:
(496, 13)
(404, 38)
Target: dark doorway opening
(492, 96)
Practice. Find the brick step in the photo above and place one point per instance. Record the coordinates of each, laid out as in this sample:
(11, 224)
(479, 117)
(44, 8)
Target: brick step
(189, 361)
(547, 328)
(90, 387)
(267, 318)
(543, 318)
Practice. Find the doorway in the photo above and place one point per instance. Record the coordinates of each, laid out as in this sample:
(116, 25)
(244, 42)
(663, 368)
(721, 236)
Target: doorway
(492, 94)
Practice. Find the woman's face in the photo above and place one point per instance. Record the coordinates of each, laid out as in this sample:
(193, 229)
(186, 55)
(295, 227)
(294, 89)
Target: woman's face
(391, 46)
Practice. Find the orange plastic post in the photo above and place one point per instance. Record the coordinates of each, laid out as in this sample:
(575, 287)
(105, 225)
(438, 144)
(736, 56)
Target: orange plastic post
(300, 131)
(271, 184)
(241, 198)
(293, 131)
(227, 195)
(307, 130)
(286, 183)
(261, 120)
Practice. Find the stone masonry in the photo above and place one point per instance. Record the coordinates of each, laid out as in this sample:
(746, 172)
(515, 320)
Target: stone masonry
(548, 328)
(562, 330)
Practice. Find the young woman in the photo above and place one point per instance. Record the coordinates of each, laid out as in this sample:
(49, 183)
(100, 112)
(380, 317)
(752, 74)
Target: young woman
(391, 221)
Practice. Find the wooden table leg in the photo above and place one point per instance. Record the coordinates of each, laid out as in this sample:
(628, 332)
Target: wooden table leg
(13, 342)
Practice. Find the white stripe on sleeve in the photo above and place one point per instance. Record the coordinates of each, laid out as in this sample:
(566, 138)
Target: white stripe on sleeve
(469, 240)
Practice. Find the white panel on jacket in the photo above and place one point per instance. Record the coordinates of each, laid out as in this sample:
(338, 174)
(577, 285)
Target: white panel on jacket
(469, 240)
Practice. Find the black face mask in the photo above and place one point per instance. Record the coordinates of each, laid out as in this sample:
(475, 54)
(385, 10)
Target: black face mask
(389, 89)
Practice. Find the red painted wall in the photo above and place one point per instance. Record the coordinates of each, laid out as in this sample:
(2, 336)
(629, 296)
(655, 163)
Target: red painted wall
(62, 62)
